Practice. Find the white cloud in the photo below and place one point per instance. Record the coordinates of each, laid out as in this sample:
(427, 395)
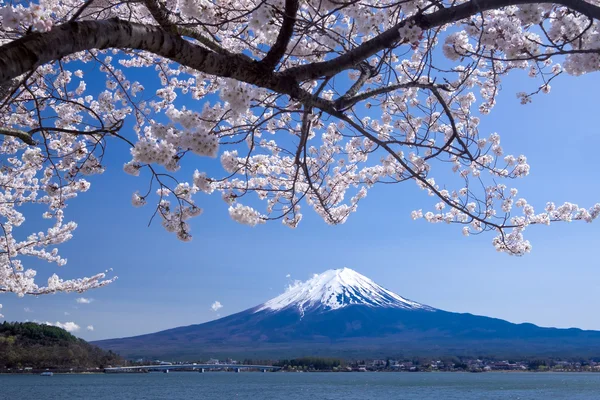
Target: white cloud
(67, 313)
(216, 306)
(83, 300)
(27, 309)
(67, 326)
(90, 327)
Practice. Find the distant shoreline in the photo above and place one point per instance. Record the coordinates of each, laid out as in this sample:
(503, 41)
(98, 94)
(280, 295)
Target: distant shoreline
(37, 373)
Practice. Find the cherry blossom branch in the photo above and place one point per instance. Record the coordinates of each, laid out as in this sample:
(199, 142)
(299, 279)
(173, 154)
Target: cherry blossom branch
(30, 51)
(415, 175)
(437, 18)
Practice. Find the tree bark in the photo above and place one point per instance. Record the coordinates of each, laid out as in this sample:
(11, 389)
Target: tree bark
(33, 50)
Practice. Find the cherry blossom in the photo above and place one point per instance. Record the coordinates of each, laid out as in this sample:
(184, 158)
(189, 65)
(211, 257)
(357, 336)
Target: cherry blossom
(288, 104)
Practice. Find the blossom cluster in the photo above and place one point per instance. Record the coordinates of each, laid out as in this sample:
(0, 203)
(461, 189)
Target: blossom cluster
(18, 17)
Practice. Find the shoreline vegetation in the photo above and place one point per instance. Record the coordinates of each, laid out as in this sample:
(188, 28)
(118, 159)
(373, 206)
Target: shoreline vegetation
(315, 364)
(32, 348)
(451, 364)
(37, 372)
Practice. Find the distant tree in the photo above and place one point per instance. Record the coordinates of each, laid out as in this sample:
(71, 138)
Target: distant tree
(537, 364)
(460, 365)
(315, 363)
(310, 102)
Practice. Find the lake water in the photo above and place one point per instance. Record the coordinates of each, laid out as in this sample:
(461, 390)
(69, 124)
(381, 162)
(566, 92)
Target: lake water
(293, 386)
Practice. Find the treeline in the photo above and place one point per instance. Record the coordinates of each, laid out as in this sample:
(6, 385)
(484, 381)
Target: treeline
(311, 363)
(28, 344)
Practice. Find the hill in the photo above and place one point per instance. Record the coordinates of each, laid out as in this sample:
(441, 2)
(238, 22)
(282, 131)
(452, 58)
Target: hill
(28, 344)
(342, 313)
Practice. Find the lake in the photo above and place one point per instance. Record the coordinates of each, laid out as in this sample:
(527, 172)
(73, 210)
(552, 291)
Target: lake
(292, 386)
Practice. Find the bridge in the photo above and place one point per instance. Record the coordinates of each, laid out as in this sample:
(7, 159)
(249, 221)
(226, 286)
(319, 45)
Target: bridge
(190, 367)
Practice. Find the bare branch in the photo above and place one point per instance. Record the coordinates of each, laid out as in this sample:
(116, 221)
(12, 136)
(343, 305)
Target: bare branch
(81, 10)
(19, 134)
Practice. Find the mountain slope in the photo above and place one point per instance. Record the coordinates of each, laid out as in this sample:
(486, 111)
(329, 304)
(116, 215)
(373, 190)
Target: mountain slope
(342, 313)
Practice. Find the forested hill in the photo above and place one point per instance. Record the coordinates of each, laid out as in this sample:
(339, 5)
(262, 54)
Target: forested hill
(28, 344)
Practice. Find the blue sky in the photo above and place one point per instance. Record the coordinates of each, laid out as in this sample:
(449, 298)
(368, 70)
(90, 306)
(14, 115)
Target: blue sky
(165, 283)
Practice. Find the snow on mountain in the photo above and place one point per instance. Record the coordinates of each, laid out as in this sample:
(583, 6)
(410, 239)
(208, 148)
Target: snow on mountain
(338, 288)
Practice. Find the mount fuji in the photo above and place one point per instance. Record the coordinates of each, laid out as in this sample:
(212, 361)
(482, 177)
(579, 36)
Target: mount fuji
(342, 313)
(336, 289)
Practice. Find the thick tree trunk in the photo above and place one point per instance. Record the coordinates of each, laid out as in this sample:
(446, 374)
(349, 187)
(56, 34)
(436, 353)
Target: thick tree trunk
(33, 50)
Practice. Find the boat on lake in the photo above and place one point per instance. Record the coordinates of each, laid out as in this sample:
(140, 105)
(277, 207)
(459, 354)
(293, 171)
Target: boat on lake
(47, 373)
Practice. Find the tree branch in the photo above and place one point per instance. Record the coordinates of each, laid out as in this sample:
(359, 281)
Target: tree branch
(81, 10)
(161, 15)
(455, 134)
(366, 72)
(344, 103)
(283, 38)
(24, 136)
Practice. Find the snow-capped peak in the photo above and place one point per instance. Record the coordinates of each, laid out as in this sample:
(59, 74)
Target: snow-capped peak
(338, 288)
